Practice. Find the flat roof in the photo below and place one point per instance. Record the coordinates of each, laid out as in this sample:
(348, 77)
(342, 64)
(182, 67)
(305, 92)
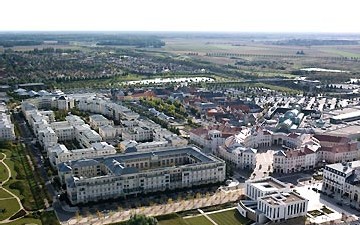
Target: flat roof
(348, 115)
(282, 198)
(268, 184)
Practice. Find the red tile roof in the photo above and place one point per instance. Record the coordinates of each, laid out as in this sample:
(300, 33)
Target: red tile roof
(331, 138)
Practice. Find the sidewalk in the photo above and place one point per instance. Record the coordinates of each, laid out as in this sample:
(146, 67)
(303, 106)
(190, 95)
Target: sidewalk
(118, 216)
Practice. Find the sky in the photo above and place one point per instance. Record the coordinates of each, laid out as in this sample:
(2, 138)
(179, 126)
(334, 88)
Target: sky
(340, 16)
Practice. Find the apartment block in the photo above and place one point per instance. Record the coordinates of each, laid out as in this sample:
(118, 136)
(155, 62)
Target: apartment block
(141, 172)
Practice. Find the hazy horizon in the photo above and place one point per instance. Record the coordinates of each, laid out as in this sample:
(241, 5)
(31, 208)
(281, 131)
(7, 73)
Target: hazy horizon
(257, 16)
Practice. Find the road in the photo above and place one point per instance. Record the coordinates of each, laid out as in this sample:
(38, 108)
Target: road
(26, 137)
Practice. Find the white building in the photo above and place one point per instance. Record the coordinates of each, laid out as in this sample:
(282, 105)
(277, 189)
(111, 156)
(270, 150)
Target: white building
(75, 120)
(240, 156)
(295, 160)
(47, 137)
(138, 134)
(141, 172)
(207, 139)
(254, 189)
(338, 178)
(86, 136)
(60, 153)
(283, 206)
(335, 149)
(99, 120)
(107, 108)
(108, 132)
(6, 126)
(65, 103)
(212, 137)
(64, 130)
(271, 200)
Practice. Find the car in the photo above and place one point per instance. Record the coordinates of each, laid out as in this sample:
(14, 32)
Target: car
(339, 203)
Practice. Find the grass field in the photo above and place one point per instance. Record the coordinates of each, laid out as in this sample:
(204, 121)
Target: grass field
(171, 219)
(9, 208)
(326, 210)
(343, 53)
(21, 179)
(25, 220)
(198, 220)
(246, 47)
(315, 213)
(229, 217)
(3, 172)
(4, 194)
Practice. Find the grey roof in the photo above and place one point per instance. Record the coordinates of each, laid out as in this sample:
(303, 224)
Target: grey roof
(353, 179)
(117, 168)
(85, 162)
(345, 167)
(195, 152)
(115, 162)
(63, 167)
(280, 153)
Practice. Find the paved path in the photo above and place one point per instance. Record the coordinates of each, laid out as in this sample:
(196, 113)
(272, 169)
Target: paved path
(12, 194)
(121, 215)
(207, 217)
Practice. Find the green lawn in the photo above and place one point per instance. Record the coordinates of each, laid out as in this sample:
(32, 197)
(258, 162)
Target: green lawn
(326, 210)
(21, 178)
(198, 220)
(10, 207)
(3, 172)
(25, 220)
(171, 219)
(316, 213)
(4, 194)
(49, 218)
(229, 217)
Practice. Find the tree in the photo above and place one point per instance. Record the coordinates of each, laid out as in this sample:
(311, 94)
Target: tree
(141, 220)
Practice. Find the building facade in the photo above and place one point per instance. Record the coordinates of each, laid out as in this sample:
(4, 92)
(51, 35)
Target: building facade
(6, 126)
(271, 201)
(140, 172)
